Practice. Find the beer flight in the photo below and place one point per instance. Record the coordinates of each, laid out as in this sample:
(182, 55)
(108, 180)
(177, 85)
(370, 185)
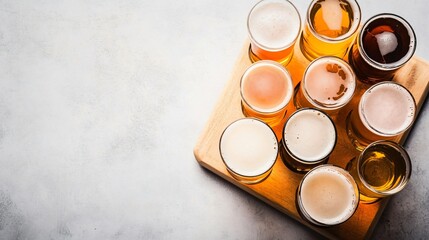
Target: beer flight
(340, 55)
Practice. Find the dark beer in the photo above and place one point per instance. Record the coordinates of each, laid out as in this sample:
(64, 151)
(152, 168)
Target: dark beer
(385, 43)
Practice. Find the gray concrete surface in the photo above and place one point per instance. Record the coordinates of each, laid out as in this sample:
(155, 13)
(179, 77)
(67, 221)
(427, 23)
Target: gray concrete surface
(101, 103)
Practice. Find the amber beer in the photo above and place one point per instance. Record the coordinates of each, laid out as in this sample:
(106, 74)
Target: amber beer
(266, 89)
(385, 110)
(381, 170)
(385, 43)
(273, 27)
(328, 84)
(330, 28)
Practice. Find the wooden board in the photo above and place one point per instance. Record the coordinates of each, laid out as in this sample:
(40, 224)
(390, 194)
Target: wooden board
(278, 190)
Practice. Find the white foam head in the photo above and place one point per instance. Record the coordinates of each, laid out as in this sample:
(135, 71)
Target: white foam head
(329, 83)
(274, 24)
(248, 147)
(332, 14)
(387, 109)
(387, 42)
(328, 194)
(309, 135)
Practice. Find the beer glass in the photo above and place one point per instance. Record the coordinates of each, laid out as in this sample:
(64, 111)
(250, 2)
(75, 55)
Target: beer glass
(248, 148)
(385, 110)
(328, 84)
(273, 27)
(381, 170)
(385, 43)
(309, 137)
(266, 89)
(327, 196)
(330, 28)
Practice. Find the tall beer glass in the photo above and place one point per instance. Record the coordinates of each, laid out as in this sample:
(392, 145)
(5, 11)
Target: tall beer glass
(273, 27)
(328, 84)
(309, 137)
(327, 196)
(381, 170)
(266, 89)
(385, 110)
(248, 148)
(385, 43)
(330, 28)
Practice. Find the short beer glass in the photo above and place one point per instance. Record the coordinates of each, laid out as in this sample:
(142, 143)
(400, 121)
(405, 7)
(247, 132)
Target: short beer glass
(385, 110)
(309, 137)
(266, 89)
(328, 84)
(248, 148)
(273, 27)
(385, 43)
(381, 170)
(330, 28)
(327, 196)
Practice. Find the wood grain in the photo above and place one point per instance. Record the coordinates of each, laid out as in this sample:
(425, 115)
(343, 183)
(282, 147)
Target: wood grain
(278, 190)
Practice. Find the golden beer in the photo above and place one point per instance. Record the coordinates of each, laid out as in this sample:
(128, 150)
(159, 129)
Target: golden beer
(381, 170)
(273, 27)
(330, 28)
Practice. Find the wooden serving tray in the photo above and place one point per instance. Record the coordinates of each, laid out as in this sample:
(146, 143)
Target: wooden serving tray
(279, 189)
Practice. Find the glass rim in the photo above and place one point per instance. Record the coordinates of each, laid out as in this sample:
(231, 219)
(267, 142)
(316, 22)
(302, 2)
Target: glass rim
(405, 157)
(288, 79)
(343, 172)
(317, 103)
(272, 162)
(363, 118)
(353, 29)
(303, 161)
(267, 48)
(400, 62)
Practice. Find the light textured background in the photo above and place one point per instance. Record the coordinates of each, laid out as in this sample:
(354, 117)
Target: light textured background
(101, 104)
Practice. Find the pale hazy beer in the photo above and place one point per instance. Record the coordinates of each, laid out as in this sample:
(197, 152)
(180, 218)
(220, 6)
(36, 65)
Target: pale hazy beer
(328, 84)
(385, 110)
(327, 196)
(266, 89)
(309, 137)
(381, 170)
(385, 43)
(330, 28)
(249, 148)
(273, 27)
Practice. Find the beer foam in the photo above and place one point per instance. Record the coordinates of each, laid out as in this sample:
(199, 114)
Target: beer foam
(309, 135)
(330, 82)
(387, 42)
(328, 196)
(266, 86)
(248, 147)
(388, 108)
(332, 14)
(274, 24)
